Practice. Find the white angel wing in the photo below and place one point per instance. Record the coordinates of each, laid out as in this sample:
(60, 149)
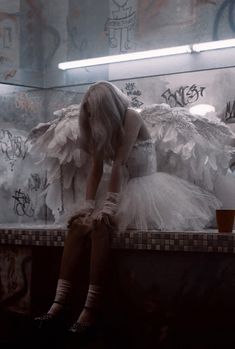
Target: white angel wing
(56, 145)
(192, 147)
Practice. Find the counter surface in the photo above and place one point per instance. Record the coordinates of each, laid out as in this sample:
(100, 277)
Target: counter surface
(190, 241)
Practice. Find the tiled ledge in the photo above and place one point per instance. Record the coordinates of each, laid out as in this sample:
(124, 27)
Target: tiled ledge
(201, 241)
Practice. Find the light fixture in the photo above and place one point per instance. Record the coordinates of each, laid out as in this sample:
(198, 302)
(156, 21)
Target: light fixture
(125, 57)
(202, 109)
(212, 45)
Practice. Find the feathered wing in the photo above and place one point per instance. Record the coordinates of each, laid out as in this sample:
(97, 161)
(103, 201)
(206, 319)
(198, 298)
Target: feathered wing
(192, 147)
(56, 145)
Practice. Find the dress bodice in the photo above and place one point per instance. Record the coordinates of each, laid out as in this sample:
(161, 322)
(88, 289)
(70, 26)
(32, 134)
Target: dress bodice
(142, 159)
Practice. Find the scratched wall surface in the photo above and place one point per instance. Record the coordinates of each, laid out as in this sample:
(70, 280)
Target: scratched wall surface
(15, 278)
(170, 23)
(121, 26)
(21, 42)
(21, 180)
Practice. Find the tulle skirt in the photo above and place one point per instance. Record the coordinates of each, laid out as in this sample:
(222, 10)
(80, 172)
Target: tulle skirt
(166, 203)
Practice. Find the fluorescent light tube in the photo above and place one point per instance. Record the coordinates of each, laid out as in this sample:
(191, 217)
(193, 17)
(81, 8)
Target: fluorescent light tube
(213, 45)
(125, 57)
(205, 46)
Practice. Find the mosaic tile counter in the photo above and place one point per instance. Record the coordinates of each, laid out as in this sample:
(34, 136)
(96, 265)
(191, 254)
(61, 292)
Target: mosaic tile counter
(200, 241)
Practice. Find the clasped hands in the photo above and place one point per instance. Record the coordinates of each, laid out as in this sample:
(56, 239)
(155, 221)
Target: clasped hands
(87, 214)
(89, 217)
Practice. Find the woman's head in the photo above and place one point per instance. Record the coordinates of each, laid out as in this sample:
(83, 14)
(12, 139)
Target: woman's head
(101, 118)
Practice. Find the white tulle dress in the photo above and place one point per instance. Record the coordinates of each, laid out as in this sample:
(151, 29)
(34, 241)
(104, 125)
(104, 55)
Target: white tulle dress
(156, 200)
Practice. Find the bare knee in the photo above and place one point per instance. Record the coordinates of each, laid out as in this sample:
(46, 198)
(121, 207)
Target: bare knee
(101, 231)
(78, 230)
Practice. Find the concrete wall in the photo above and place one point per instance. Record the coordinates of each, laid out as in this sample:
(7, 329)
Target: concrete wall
(121, 26)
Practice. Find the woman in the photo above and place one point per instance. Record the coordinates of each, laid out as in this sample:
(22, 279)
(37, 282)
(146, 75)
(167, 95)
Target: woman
(137, 196)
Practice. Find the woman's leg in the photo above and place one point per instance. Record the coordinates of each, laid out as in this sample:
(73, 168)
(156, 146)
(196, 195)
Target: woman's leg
(73, 250)
(100, 248)
(71, 263)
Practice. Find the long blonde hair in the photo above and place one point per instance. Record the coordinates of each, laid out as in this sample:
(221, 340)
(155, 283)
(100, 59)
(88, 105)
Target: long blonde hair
(101, 118)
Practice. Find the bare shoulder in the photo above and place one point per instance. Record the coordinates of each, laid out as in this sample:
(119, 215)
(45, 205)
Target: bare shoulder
(132, 116)
(134, 120)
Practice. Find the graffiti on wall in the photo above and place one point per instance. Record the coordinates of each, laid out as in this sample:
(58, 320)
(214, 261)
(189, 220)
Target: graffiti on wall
(183, 95)
(230, 112)
(134, 94)
(12, 147)
(22, 204)
(120, 26)
(28, 200)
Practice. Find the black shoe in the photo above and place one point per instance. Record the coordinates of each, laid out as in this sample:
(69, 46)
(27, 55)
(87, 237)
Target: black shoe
(49, 325)
(81, 333)
(46, 321)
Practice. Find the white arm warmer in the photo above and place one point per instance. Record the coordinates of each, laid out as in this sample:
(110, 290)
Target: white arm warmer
(111, 203)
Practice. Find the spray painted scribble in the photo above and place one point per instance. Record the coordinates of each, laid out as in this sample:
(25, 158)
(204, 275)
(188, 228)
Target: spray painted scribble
(13, 147)
(227, 7)
(230, 112)
(183, 96)
(27, 200)
(22, 204)
(134, 94)
(34, 182)
(120, 26)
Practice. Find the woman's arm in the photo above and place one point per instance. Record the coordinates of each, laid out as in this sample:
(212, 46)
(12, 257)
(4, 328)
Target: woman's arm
(132, 127)
(93, 180)
(94, 177)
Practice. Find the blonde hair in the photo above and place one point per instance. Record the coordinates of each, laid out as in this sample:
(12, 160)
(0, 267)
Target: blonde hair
(101, 118)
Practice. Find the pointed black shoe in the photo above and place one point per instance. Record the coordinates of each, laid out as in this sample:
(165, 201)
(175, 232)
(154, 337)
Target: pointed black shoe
(48, 325)
(81, 333)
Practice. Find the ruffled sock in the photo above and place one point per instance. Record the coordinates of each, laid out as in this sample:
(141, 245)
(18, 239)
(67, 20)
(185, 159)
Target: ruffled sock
(92, 306)
(62, 297)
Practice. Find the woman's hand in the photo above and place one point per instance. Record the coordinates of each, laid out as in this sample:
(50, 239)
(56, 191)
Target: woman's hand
(82, 216)
(104, 217)
(107, 214)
